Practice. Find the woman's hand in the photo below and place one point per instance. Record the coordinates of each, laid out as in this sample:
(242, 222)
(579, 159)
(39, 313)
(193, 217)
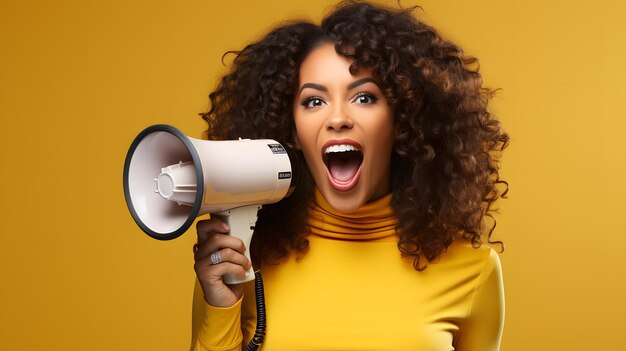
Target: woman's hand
(213, 236)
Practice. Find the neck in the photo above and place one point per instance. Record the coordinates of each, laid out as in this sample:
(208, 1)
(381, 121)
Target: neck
(374, 221)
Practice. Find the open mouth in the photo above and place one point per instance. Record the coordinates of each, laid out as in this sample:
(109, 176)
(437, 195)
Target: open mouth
(343, 165)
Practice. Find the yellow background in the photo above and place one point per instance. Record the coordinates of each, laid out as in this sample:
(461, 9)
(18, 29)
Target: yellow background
(79, 79)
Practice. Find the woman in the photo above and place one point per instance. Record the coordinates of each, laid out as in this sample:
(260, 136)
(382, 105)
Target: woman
(381, 245)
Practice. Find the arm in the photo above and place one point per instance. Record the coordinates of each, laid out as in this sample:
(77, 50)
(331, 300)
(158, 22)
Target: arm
(217, 306)
(482, 331)
(214, 328)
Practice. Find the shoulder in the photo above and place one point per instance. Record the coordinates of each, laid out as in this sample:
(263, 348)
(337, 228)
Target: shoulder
(465, 261)
(462, 251)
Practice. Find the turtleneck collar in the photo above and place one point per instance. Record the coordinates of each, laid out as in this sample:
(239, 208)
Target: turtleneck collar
(373, 221)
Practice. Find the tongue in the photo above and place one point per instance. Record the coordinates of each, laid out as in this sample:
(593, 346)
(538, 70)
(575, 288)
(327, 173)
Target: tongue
(343, 170)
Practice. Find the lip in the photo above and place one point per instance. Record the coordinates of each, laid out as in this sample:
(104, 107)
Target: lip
(341, 142)
(337, 185)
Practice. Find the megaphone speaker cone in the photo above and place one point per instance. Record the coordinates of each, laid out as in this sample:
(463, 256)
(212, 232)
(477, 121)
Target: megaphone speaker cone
(149, 181)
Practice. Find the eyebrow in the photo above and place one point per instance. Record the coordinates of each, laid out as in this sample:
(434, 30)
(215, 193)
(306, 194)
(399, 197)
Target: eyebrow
(351, 86)
(362, 81)
(314, 86)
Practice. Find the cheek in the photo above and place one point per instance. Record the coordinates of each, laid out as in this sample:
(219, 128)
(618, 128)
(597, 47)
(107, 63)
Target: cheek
(298, 133)
(382, 131)
(305, 138)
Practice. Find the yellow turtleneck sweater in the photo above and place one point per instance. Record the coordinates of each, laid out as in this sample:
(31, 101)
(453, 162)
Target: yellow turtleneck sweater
(354, 291)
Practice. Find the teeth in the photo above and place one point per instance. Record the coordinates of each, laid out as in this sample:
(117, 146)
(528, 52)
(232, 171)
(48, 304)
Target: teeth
(340, 148)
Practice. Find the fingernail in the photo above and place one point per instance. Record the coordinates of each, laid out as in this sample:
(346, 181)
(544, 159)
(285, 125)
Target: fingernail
(225, 226)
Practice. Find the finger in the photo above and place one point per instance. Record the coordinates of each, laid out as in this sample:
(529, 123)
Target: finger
(208, 226)
(232, 256)
(219, 242)
(214, 273)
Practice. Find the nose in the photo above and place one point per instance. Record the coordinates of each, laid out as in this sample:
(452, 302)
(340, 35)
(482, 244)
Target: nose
(339, 120)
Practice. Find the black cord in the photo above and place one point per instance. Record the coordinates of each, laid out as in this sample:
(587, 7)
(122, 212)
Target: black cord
(259, 334)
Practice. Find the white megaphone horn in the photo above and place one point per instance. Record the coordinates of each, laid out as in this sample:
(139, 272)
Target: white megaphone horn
(170, 179)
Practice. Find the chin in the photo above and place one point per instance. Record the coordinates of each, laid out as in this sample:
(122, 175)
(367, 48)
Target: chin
(344, 201)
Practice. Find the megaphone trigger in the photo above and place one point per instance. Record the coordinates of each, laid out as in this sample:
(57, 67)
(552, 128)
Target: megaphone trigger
(241, 221)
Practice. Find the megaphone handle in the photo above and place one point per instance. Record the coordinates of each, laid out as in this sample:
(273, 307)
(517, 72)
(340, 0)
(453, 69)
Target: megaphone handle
(241, 221)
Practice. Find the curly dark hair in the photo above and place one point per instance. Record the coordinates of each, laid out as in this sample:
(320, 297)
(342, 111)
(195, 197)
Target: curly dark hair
(445, 168)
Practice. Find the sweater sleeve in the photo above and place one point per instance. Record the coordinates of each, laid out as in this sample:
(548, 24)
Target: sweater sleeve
(482, 331)
(215, 328)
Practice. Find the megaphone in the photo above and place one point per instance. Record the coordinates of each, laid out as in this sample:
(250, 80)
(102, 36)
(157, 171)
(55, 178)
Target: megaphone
(170, 179)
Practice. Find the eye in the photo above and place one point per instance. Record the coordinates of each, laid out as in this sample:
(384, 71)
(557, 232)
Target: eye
(364, 98)
(313, 102)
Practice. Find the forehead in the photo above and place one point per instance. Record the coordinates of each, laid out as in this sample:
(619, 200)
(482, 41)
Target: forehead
(325, 64)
